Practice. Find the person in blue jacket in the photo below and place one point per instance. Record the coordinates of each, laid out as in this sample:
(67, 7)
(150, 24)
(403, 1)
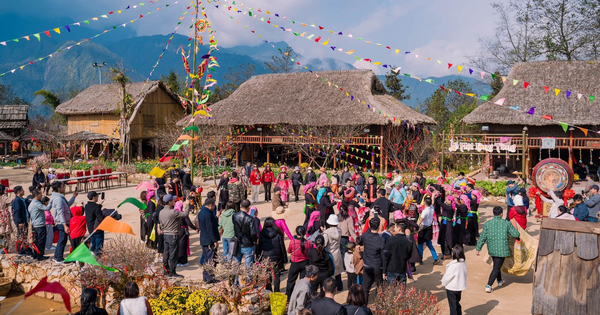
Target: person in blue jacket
(208, 224)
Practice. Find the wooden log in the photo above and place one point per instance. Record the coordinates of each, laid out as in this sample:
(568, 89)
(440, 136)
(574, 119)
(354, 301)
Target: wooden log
(567, 302)
(546, 242)
(551, 279)
(572, 226)
(537, 306)
(587, 245)
(565, 242)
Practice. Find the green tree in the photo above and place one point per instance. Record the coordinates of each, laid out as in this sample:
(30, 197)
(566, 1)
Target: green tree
(447, 106)
(50, 99)
(9, 97)
(125, 109)
(173, 81)
(394, 84)
(284, 63)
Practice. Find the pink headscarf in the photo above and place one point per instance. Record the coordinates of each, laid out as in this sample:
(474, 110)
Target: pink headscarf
(309, 187)
(451, 198)
(314, 217)
(466, 200)
(179, 206)
(150, 194)
(477, 194)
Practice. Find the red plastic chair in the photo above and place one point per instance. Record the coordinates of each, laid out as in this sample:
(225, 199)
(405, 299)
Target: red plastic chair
(5, 183)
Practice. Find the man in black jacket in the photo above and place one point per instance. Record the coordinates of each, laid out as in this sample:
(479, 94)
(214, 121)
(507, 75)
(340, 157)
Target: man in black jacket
(245, 232)
(93, 218)
(398, 250)
(296, 181)
(372, 256)
(384, 204)
(311, 177)
(208, 225)
(326, 305)
(21, 219)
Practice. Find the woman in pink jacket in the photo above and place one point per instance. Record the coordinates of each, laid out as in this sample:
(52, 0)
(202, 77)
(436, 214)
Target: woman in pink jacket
(283, 182)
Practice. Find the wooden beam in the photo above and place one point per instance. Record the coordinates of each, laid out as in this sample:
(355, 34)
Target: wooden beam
(572, 226)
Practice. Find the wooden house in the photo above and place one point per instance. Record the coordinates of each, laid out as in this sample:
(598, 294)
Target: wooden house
(567, 280)
(13, 119)
(533, 92)
(96, 110)
(321, 99)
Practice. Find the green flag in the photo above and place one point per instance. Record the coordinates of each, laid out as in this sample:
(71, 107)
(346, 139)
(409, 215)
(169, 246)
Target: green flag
(175, 147)
(564, 126)
(83, 254)
(592, 97)
(484, 97)
(192, 128)
(186, 142)
(134, 201)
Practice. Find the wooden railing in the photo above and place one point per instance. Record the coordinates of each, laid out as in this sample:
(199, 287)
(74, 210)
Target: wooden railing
(532, 142)
(288, 140)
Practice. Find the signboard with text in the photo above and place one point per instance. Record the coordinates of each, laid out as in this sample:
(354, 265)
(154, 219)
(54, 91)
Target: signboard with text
(478, 146)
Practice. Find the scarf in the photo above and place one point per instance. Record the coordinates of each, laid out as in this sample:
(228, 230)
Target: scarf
(320, 194)
(314, 217)
(466, 200)
(451, 198)
(308, 187)
(179, 206)
(150, 194)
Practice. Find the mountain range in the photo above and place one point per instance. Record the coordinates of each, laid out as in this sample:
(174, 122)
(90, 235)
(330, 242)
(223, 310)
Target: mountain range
(72, 69)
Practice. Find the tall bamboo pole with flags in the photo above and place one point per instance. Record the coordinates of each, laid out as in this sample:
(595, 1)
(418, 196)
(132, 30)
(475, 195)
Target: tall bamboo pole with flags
(194, 94)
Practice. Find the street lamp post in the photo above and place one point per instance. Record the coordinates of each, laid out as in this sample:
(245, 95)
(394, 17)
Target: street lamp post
(97, 65)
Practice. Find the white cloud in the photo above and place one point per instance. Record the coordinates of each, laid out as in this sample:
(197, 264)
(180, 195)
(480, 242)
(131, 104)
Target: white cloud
(445, 51)
(361, 64)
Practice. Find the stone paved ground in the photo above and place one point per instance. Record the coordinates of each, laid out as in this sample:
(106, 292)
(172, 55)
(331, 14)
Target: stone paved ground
(515, 297)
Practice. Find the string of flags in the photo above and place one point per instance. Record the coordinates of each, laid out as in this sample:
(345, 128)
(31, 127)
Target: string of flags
(68, 27)
(31, 62)
(447, 65)
(531, 111)
(350, 96)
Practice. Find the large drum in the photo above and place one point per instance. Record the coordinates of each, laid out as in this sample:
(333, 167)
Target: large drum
(552, 174)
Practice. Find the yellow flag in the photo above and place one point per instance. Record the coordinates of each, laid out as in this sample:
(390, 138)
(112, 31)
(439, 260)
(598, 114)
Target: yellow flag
(119, 11)
(326, 42)
(459, 68)
(503, 79)
(57, 30)
(397, 51)
(377, 63)
(201, 112)
(556, 91)
(157, 172)
(470, 94)
(350, 52)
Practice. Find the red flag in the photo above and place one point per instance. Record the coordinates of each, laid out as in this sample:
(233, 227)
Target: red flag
(547, 117)
(318, 39)
(165, 159)
(449, 65)
(546, 88)
(54, 287)
(47, 33)
(525, 84)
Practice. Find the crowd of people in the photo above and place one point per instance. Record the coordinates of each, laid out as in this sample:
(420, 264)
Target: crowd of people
(371, 232)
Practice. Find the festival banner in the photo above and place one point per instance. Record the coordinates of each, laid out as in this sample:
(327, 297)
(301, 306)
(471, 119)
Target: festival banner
(82, 254)
(51, 287)
(111, 225)
(134, 201)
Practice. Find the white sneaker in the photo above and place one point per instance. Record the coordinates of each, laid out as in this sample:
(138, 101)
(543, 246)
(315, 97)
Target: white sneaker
(183, 265)
(488, 289)
(501, 283)
(51, 248)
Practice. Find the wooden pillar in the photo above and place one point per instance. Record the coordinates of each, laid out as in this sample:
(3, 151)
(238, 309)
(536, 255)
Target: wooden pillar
(299, 158)
(237, 157)
(381, 150)
(139, 150)
(252, 154)
(334, 162)
(372, 161)
(571, 147)
(268, 156)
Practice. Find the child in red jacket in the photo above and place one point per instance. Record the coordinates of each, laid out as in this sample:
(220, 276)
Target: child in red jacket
(77, 226)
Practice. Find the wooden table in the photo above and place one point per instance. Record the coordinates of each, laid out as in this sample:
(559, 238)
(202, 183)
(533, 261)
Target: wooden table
(101, 181)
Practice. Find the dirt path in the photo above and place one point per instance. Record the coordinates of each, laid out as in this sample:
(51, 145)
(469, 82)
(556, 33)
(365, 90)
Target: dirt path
(515, 297)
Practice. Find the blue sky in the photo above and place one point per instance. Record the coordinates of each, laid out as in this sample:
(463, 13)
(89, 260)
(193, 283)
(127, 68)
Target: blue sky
(444, 30)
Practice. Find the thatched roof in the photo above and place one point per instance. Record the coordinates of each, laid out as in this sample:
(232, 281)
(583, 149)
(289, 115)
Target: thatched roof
(6, 137)
(13, 116)
(86, 136)
(303, 99)
(103, 99)
(36, 135)
(574, 76)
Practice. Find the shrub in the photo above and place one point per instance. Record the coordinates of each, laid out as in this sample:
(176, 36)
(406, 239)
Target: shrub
(200, 302)
(398, 299)
(40, 161)
(175, 297)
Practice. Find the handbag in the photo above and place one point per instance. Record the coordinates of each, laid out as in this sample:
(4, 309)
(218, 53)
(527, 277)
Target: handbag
(153, 234)
(234, 246)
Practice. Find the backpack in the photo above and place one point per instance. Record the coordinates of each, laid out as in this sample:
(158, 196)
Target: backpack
(235, 191)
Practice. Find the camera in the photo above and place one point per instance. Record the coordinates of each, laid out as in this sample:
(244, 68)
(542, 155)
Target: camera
(112, 213)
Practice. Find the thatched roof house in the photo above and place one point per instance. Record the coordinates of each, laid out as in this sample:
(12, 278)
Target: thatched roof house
(577, 77)
(13, 118)
(4, 137)
(36, 136)
(87, 136)
(96, 110)
(300, 98)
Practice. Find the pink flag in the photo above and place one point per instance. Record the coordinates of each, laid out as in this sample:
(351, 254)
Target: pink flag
(500, 101)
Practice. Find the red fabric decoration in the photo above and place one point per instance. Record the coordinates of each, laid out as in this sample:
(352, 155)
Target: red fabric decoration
(547, 117)
(54, 287)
